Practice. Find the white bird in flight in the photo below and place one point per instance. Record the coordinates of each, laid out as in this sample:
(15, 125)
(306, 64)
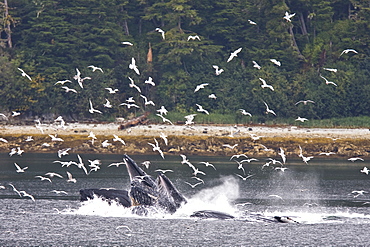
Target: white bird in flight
(19, 169)
(265, 85)
(346, 51)
(305, 102)
(92, 110)
(133, 85)
(355, 159)
(150, 81)
(162, 110)
(107, 104)
(201, 109)
(146, 101)
(133, 66)
(244, 112)
(156, 147)
(327, 81)
(276, 62)
(302, 119)
(111, 90)
(24, 74)
(67, 89)
(62, 82)
(71, 179)
(365, 170)
(94, 68)
(161, 32)
(200, 86)
(288, 16)
(212, 96)
(331, 70)
(118, 139)
(234, 54)
(256, 65)
(218, 70)
(127, 43)
(268, 110)
(252, 22)
(193, 37)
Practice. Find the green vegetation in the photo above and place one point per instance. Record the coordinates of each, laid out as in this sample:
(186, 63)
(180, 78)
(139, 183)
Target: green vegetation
(49, 39)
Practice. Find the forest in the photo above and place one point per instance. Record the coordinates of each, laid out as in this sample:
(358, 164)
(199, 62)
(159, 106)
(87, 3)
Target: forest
(292, 52)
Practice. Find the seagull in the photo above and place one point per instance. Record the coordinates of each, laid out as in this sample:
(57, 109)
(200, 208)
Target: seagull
(116, 164)
(276, 196)
(164, 119)
(348, 50)
(264, 84)
(365, 170)
(163, 171)
(118, 139)
(304, 158)
(146, 164)
(234, 54)
(305, 102)
(107, 104)
(15, 190)
(133, 66)
(358, 193)
(3, 140)
(156, 147)
(206, 163)
(200, 109)
(212, 96)
(326, 153)
(25, 194)
(229, 146)
(288, 16)
(274, 162)
(19, 169)
(43, 178)
(55, 138)
(78, 78)
(302, 119)
(252, 22)
(29, 139)
(24, 74)
(15, 113)
(248, 160)
(146, 101)
(185, 160)
(127, 43)
(62, 82)
(105, 144)
(328, 82)
(240, 166)
(160, 31)
(255, 137)
(245, 178)
(164, 137)
(218, 70)
(12, 152)
(193, 37)
(276, 62)
(331, 70)
(63, 152)
(130, 105)
(244, 112)
(150, 81)
(130, 100)
(193, 185)
(282, 155)
(200, 86)
(162, 110)
(94, 68)
(268, 109)
(92, 110)
(355, 158)
(237, 156)
(19, 151)
(67, 89)
(256, 65)
(53, 174)
(281, 168)
(111, 90)
(189, 119)
(70, 178)
(59, 192)
(133, 85)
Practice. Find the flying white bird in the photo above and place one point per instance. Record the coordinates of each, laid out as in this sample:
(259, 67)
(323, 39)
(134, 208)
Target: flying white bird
(62, 82)
(331, 70)
(288, 16)
(127, 43)
(265, 85)
(105, 144)
(358, 192)
(365, 170)
(347, 51)
(276, 62)
(133, 66)
(24, 74)
(130, 105)
(200, 86)
(43, 178)
(244, 112)
(252, 22)
(156, 147)
(234, 54)
(245, 178)
(193, 185)
(201, 109)
(94, 68)
(54, 138)
(327, 81)
(67, 89)
(189, 119)
(15, 113)
(193, 37)
(218, 70)
(160, 31)
(305, 102)
(302, 119)
(146, 101)
(355, 159)
(118, 139)
(206, 163)
(256, 65)
(78, 78)
(107, 104)
(164, 137)
(212, 96)
(150, 81)
(63, 152)
(162, 110)
(133, 85)
(229, 146)
(164, 119)
(70, 178)
(92, 110)
(268, 110)
(19, 169)
(53, 174)
(111, 90)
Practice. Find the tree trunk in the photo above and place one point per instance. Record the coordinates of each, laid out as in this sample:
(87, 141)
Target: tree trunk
(8, 30)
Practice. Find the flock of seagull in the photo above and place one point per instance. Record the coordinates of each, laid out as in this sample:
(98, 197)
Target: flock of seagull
(95, 165)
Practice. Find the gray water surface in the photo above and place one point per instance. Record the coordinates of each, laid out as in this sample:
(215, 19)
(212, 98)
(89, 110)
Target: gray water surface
(316, 195)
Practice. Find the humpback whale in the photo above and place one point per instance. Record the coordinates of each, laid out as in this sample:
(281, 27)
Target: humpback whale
(147, 194)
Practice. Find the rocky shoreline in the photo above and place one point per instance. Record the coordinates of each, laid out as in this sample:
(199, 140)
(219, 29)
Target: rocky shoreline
(254, 141)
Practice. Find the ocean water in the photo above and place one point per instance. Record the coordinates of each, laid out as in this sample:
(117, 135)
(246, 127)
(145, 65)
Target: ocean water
(318, 196)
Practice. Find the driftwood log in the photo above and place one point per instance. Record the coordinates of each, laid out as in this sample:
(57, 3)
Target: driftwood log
(142, 119)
